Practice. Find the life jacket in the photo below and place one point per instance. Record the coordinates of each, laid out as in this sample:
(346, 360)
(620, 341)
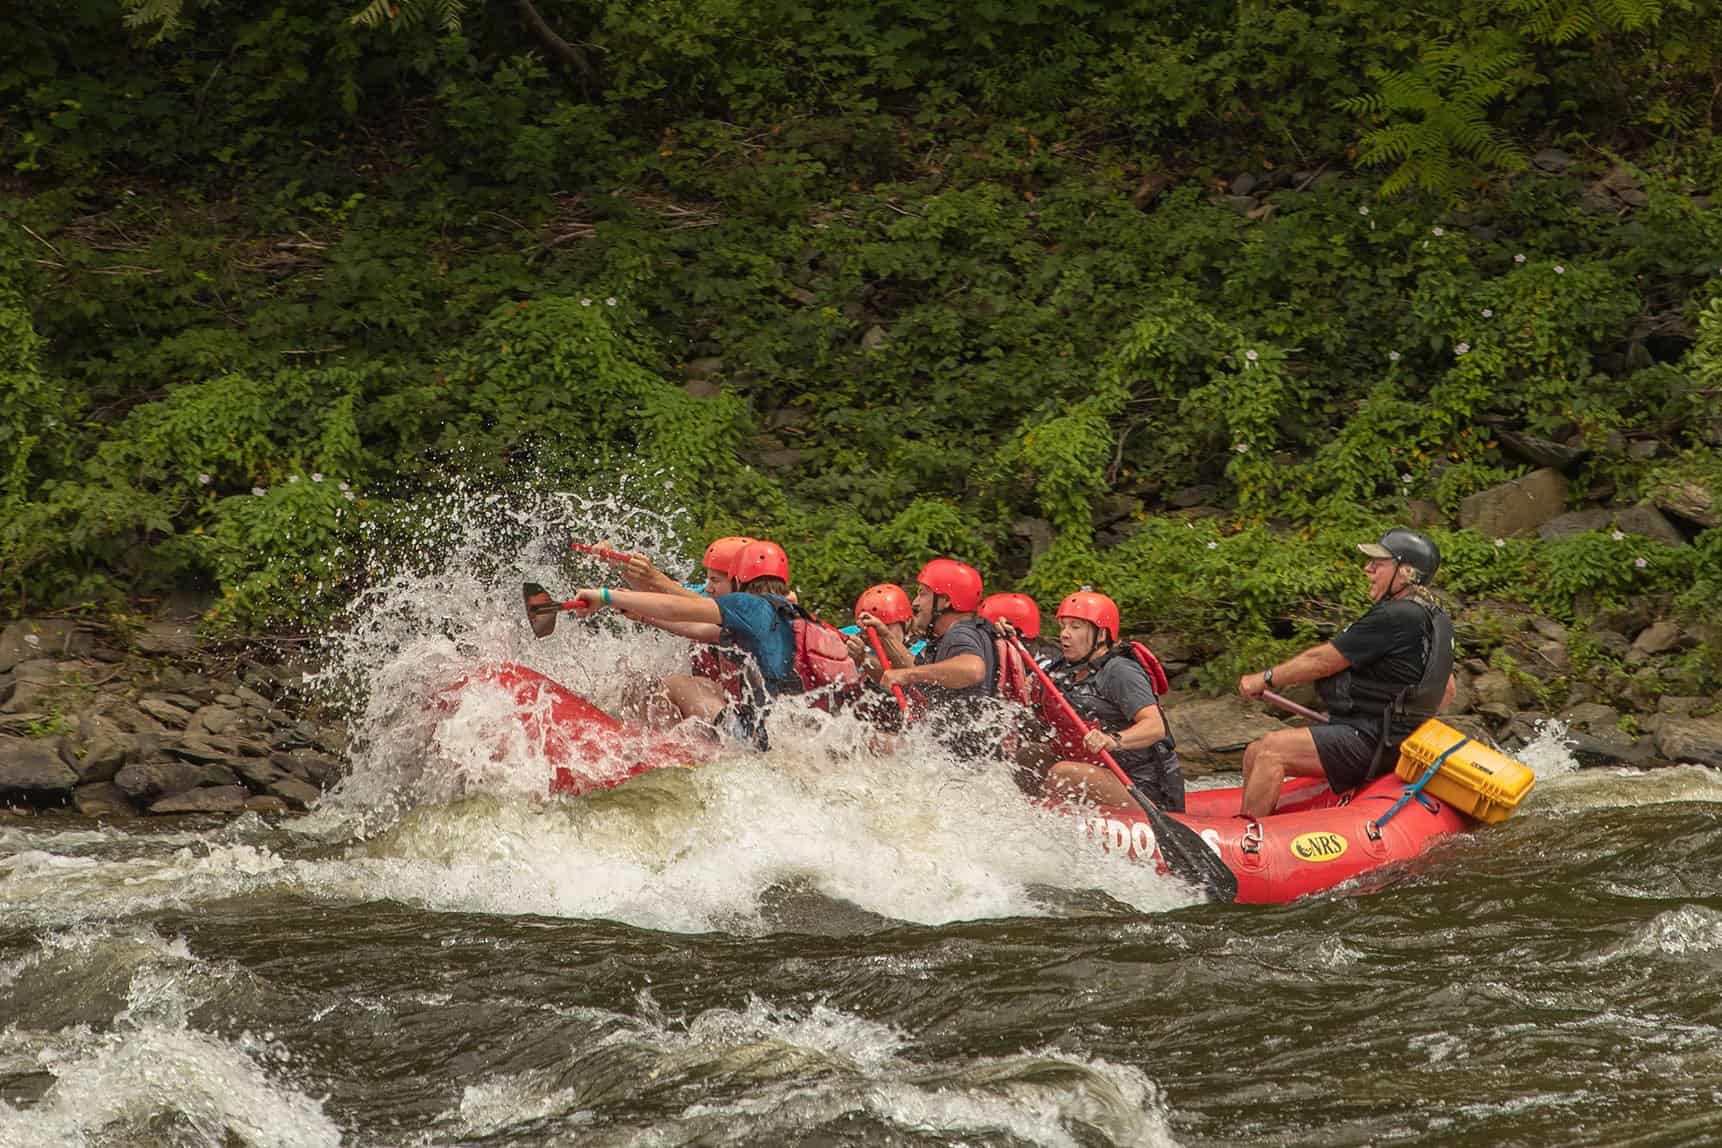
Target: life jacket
(822, 661)
(1356, 694)
(712, 662)
(1079, 691)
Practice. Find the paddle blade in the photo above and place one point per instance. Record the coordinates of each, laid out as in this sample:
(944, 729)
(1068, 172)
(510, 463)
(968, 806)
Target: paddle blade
(1186, 855)
(541, 609)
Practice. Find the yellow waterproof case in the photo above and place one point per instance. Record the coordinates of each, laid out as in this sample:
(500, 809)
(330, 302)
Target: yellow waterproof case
(1475, 779)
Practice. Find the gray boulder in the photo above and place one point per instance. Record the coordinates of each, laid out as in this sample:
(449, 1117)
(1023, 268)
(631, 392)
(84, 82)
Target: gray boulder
(1516, 507)
(32, 770)
(1691, 739)
(102, 799)
(212, 719)
(298, 794)
(104, 757)
(214, 799)
(164, 711)
(169, 638)
(147, 781)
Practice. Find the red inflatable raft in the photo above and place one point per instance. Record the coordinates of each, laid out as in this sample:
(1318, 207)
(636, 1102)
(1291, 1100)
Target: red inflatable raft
(587, 748)
(1313, 840)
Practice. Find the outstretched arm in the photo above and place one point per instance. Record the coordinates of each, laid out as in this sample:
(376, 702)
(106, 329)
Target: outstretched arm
(697, 631)
(657, 607)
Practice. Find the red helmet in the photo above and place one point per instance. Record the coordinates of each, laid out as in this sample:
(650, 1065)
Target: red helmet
(721, 554)
(958, 581)
(1091, 607)
(886, 602)
(760, 560)
(1019, 610)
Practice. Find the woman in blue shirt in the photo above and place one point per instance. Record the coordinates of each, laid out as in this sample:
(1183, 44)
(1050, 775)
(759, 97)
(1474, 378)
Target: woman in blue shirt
(756, 622)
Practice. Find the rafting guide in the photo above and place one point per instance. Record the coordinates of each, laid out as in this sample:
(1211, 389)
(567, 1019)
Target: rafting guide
(1381, 677)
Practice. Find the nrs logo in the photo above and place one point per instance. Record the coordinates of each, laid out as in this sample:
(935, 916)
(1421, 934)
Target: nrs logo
(1317, 847)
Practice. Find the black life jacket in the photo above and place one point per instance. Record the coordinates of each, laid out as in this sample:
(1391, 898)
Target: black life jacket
(1355, 694)
(1085, 693)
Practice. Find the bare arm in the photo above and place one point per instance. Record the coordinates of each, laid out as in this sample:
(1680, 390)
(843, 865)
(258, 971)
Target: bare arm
(1146, 728)
(658, 607)
(956, 673)
(1317, 662)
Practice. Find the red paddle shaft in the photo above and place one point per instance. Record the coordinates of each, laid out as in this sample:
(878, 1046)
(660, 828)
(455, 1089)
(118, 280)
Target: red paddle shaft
(1290, 706)
(885, 664)
(603, 552)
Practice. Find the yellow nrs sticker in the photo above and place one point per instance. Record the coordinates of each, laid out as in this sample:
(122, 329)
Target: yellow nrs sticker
(1319, 846)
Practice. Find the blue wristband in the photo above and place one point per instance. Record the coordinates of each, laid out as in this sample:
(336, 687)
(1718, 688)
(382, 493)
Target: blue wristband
(605, 595)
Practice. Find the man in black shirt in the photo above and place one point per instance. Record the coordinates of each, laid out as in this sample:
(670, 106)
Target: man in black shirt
(1381, 677)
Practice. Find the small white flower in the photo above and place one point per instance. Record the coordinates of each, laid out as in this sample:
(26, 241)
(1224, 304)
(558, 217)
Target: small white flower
(1487, 313)
(203, 480)
(1393, 356)
(315, 477)
(1461, 348)
(1242, 447)
(259, 491)
(585, 302)
(292, 478)
(1406, 479)
(1437, 232)
(1518, 259)
(1251, 356)
(1641, 563)
(1618, 535)
(1559, 270)
(1364, 210)
(610, 302)
(1213, 546)
(348, 495)
(1500, 542)
(341, 485)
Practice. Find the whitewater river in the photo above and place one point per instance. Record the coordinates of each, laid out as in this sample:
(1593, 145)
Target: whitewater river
(819, 947)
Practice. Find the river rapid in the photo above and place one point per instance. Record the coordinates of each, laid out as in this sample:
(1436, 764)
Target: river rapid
(818, 946)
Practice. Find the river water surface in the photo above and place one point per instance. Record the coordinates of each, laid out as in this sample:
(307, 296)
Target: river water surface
(818, 947)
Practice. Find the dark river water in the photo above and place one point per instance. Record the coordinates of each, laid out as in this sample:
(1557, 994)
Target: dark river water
(785, 952)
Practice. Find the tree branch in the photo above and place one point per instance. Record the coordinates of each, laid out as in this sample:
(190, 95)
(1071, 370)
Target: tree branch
(558, 47)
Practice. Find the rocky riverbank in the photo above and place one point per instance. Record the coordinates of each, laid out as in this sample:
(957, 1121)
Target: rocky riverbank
(154, 722)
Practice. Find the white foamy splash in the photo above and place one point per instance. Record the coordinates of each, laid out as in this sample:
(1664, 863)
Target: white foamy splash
(805, 1069)
(150, 1070)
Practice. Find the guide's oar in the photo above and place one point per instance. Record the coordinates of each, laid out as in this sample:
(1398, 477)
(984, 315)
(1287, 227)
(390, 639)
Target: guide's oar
(885, 664)
(1186, 855)
(1292, 707)
(542, 609)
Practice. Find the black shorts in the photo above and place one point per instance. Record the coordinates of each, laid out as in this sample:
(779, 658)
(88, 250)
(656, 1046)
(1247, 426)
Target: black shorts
(1347, 754)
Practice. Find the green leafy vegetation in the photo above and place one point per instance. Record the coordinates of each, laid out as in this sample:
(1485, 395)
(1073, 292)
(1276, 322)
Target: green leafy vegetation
(1176, 299)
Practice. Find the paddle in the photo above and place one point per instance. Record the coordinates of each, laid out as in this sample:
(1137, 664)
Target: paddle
(542, 609)
(603, 552)
(885, 664)
(1290, 706)
(1186, 855)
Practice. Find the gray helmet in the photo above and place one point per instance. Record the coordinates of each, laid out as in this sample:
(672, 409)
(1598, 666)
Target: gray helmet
(1408, 548)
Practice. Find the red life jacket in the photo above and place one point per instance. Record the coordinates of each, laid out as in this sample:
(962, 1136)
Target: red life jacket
(1156, 673)
(710, 662)
(1016, 681)
(822, 659)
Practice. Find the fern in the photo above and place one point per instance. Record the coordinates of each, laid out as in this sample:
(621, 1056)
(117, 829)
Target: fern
(1439, 135)
(444, 14)
(1563, 21)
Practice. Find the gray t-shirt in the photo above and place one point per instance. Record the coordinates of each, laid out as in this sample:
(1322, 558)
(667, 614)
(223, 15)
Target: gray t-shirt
(1112, 698)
